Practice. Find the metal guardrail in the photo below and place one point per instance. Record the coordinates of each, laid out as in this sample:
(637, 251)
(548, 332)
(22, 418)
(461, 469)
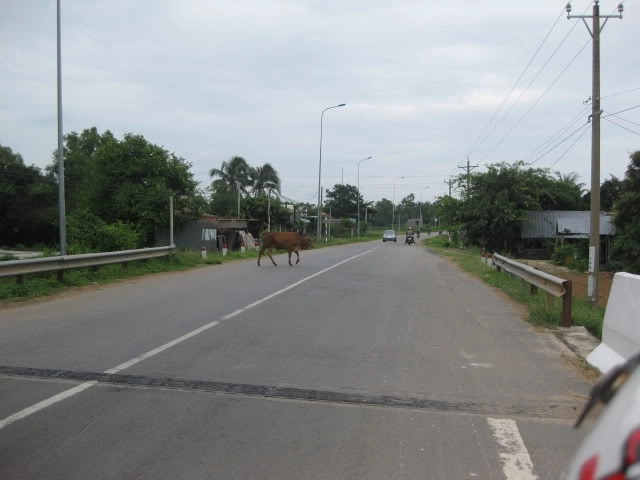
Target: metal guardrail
(17, 268)
(558, 287)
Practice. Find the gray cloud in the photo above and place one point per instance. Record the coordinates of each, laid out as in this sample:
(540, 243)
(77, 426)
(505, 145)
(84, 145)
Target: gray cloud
(213, 79)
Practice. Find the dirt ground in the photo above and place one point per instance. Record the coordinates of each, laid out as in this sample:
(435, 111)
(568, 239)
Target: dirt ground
(579, 279)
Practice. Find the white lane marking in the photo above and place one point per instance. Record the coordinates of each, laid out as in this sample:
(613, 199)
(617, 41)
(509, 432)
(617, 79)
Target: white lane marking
(516, 463)
(45, 403)
(83, 386)
(155, 351)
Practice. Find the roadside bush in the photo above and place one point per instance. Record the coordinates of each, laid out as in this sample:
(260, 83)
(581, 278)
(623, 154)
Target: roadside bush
(564, 255)
(117, 236)
(88, 233)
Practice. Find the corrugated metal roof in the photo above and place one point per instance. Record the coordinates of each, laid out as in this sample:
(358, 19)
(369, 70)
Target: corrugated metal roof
(582, 226)
(545, 223)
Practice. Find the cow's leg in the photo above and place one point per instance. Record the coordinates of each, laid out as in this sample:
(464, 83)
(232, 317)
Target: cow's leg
(260, 254)
(290, 264)
(271, 257)
(298, 255)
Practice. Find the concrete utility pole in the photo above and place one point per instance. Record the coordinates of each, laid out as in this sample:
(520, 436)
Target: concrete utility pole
(269, 213)
(594, 234)
(238, 188)
(468, 168)
(449, 182)
(171, 221)
(62, 218)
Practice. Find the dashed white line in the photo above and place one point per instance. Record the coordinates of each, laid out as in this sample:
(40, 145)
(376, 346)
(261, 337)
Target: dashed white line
(83, 386)
(516, 462)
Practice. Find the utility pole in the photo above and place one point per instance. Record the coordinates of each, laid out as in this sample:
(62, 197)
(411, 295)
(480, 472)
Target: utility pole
(342, 175)
(61, 203)
(594, 234)
(448, 182)
(171, 221)
(269, 213)
(468, 168)
(238, 188)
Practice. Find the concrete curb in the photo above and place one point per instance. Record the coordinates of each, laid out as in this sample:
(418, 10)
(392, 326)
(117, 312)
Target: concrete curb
(578, 340)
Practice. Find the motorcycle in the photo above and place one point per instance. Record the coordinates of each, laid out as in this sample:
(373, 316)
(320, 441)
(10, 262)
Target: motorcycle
(409, 239)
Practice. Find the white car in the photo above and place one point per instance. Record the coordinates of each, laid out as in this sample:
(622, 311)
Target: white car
(389, 236)
(611, 451)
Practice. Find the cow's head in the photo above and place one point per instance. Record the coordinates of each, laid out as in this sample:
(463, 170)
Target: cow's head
(307, 242)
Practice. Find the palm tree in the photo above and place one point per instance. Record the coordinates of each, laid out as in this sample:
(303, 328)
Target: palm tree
(265, 178)
(235, 173)
(571, 180)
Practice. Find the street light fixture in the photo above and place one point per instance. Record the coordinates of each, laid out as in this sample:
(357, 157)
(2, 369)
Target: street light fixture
(393, 214)
(319, 231)
(359, 192)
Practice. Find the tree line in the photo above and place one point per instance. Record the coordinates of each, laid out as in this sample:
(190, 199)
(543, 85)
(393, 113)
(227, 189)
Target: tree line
(490, 211)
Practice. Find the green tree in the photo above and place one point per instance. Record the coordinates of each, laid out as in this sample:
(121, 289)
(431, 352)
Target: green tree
(343, 200)
(494, 207)
(264, 179)
(446, 210)
(407, 208)
(258, 208)
(129, 180)
(28, 202)
(627, 213)
(235, 173)
(382, 213)
(610, 191)
(224, 199)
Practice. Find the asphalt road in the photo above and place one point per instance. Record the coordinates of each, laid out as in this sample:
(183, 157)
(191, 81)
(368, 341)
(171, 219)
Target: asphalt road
(369, 361)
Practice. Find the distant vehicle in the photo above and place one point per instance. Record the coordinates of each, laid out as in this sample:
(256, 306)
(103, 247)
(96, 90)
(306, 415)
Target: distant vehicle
(389, 236)
(611, 451)
(409, 239)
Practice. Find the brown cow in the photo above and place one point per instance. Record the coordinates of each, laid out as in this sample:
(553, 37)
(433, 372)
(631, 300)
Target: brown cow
(289, 241)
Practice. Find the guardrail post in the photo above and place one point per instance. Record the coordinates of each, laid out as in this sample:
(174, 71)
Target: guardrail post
(533, 289)
(60, 275)
(566, 304)
(19, 279)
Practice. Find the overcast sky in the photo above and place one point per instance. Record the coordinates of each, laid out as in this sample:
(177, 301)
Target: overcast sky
(211, 79)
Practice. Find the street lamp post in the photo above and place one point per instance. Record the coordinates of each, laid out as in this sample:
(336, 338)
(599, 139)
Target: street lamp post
(319, 231)
(421, 191)
(359, 192)
(393, 214)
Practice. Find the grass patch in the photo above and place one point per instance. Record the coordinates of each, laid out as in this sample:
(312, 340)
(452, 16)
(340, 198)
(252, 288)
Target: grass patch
(539, 312)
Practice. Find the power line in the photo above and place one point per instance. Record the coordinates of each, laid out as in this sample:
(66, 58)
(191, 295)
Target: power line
(570, 147)
(621, 126)
(620, 93)
(537, 101)
(471, 149)
(559, 143)
(528, 86)
(622, 111)
(566, 127)
(621, 118)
